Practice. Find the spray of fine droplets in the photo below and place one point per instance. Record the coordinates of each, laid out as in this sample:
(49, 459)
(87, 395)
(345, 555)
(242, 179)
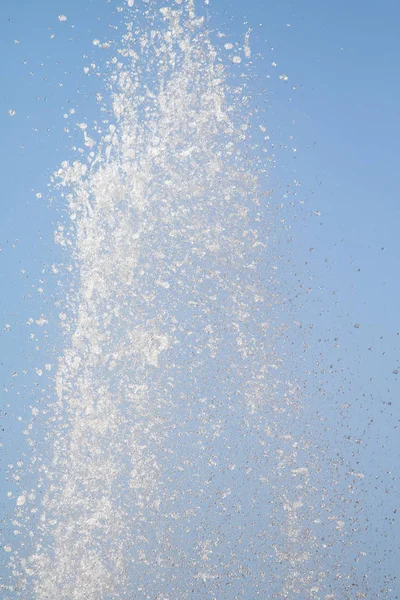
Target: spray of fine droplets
(179, 467)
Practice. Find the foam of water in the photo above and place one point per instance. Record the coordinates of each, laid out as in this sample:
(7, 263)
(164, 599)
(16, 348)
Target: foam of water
(177, 470)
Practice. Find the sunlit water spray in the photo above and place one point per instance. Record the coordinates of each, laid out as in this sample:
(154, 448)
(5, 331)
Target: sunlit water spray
(179, 468)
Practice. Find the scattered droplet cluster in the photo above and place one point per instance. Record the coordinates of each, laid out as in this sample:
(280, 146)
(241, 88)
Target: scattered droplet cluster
(181, 458)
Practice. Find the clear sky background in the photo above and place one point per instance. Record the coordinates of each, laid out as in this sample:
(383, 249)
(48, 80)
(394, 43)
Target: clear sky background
(342, 58)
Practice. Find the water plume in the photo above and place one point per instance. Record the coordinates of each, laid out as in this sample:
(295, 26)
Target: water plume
(179, 467)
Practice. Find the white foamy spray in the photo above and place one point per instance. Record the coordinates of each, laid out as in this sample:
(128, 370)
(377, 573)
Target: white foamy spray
(175, 469)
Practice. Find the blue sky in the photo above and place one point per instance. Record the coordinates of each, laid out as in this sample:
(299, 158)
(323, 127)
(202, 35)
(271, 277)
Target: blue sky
(342, 59)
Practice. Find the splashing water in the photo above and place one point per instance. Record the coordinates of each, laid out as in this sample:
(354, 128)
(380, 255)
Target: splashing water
(179, 465)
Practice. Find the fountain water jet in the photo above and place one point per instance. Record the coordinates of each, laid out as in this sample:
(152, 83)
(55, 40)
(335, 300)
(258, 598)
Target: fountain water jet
(179, 467)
